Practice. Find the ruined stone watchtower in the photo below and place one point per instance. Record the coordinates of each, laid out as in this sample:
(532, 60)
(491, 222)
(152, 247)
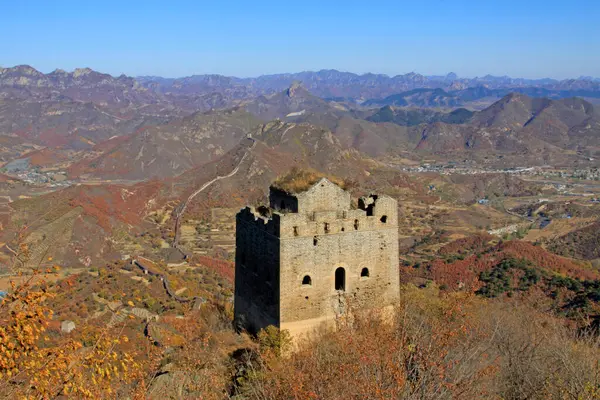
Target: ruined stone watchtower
(299, 261)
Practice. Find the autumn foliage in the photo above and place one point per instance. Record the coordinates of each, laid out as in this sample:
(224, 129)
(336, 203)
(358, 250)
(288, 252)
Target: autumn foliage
(36, 364)
(222, 267)
(494, 320)
(466, 259)
(453, 346)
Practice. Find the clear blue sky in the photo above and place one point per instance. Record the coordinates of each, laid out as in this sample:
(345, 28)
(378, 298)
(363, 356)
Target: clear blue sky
(524, 38)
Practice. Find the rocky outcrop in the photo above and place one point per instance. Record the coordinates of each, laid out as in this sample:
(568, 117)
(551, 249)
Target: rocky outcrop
(67, 326)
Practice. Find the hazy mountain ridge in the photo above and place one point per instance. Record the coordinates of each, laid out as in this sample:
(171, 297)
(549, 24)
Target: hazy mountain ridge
(151, 94)
(418, 98)
(323, 83)
(337, 84)
(439, 98)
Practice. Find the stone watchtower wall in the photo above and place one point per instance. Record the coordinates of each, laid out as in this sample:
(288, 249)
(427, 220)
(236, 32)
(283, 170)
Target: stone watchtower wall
(257, 259)
(308, 262)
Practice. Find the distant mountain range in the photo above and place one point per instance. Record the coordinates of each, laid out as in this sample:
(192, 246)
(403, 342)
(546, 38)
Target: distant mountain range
(203, 92)
(473, 97)
(516, 129)
(137, 128)
(337, 85)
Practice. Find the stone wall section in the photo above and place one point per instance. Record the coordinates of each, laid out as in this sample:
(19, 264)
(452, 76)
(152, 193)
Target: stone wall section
(257, 260)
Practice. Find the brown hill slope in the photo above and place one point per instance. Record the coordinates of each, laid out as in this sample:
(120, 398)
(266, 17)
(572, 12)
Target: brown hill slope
(297, 105)
(89, 224)
(538, 130)
(525, 129)
(67, 123)
(171, 149)
(582, 243)
(275, 148)
(80, 224)
(293, 102)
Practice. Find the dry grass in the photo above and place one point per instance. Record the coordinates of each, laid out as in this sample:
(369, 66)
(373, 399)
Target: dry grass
(440, 347)
(298, 180)
(558, 228)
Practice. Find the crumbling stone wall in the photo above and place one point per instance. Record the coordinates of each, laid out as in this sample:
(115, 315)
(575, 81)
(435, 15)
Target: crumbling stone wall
(300, 252)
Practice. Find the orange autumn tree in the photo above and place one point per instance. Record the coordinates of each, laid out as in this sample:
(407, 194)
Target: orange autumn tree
(33, 365)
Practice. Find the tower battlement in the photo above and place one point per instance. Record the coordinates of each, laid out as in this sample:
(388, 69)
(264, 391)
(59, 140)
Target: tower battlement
(297, 259)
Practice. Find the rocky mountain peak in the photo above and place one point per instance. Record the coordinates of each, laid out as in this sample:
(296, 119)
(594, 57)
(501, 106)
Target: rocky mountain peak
(82, 72)
(25, 70)
(413, 76)
(294, 87)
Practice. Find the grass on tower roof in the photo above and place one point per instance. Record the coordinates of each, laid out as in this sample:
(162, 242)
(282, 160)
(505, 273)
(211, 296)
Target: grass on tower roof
(299, 180)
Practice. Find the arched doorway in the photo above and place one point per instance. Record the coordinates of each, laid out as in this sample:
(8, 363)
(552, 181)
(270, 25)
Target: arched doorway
(340, 279)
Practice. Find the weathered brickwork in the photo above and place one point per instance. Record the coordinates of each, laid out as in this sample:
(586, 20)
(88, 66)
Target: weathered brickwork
(287, 257)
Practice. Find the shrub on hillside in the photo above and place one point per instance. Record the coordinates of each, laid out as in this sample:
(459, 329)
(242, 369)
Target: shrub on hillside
(439, 347)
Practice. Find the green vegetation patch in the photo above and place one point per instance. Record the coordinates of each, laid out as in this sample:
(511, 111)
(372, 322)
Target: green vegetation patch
(508, 276)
